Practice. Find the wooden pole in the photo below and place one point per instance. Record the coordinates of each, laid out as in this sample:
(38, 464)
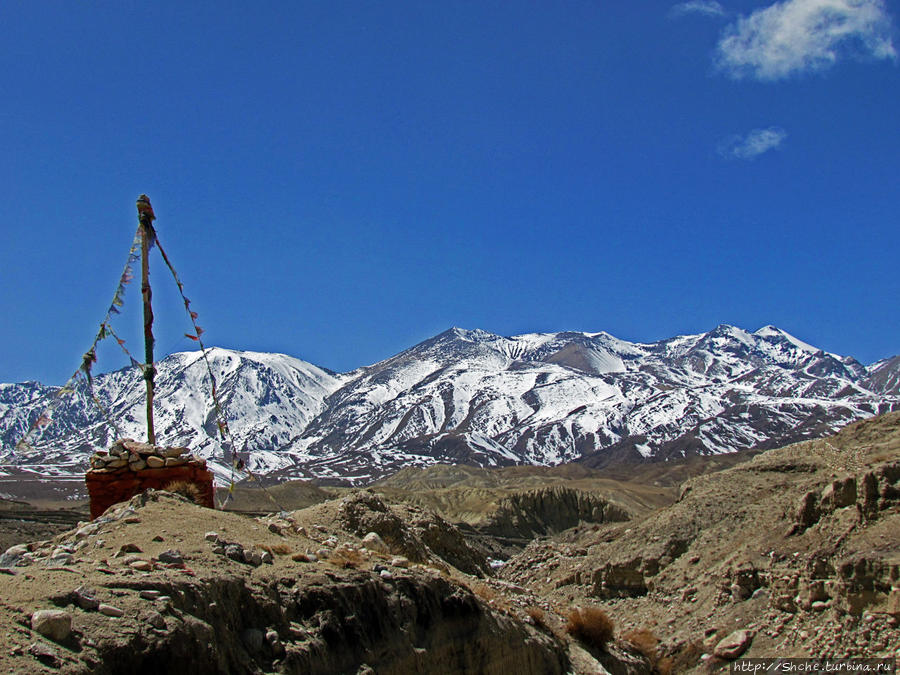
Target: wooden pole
(146, 218)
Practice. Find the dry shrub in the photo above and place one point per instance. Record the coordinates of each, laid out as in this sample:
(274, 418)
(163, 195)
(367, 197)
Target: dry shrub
(642, 640)
(184, 488)
(537, 616)
(346, 557)
(280, 549)
(590, 625)
(490, 596)
(484, 592)
(300, 557)
(685, 658)
(645, 642)
(277, 549)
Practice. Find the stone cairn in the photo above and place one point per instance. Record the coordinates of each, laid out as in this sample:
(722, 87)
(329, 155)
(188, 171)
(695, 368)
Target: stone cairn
(130, 467)
(136, 456)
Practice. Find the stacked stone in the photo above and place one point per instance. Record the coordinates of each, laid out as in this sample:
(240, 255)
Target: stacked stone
(135, 456)
(130, 468)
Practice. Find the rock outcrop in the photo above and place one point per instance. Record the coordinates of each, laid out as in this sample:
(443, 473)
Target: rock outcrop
(116, 595)
(548, 511)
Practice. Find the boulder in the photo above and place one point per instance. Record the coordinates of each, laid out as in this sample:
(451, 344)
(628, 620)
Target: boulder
(734, 645)
(55, 624)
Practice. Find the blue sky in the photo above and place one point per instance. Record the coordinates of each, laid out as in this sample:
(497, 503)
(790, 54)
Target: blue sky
(338, 181)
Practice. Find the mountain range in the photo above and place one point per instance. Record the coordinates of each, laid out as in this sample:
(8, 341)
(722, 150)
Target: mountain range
(468, 397)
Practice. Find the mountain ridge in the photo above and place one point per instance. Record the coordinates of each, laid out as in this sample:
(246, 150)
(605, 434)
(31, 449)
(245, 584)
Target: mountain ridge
(473, 397)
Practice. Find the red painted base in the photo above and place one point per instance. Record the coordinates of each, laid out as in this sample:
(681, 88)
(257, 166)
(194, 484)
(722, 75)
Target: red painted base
(112, 487)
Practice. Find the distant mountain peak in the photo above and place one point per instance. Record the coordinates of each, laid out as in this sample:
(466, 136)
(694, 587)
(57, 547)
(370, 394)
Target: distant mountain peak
(471, 396)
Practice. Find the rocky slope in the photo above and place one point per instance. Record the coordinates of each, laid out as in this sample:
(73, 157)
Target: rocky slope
(158, 584)
(799, 548)
(475, 398)
(791, 552)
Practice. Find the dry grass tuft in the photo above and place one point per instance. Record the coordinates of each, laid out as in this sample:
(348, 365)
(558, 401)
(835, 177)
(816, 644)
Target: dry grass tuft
(642, 640)
(347, 558)
(281, 549)
(277, 549)
(590, 625)
(300, 557)
(537, 616)
(484, 592)
(645, 642)
(185, 489)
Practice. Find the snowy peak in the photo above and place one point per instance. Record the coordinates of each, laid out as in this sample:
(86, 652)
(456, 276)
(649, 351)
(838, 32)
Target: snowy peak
(884, 377)
(470, 396)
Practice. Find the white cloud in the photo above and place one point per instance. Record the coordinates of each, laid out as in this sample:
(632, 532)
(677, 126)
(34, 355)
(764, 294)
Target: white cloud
(796, 36)
(753, 144)
(705, 7)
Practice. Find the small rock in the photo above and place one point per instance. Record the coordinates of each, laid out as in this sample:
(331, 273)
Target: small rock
(157, 538)
(253, 558)
(235, 552)
(373, 542)
(141, 565)
(252, 639)
(400, 561)
(149, 594)
(219, 550)
(156, 620)
(55, 624)
(154, 462)
(127, 548)
(60, 558)
(267, 558)
(14, 555)
(211, 536)
(171, 557)
(84, 598)
(386, 574)
(734, 645)
(109, 610)
(43, 652)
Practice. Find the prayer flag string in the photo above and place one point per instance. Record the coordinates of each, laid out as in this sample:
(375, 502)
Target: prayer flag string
(237, 464)
(45, 418)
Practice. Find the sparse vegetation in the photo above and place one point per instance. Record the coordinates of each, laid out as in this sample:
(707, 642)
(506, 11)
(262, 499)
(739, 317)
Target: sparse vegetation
(277, 549)
(590, 625)
(537, 616)
(346, 557)
(645, 642)
(184, 488)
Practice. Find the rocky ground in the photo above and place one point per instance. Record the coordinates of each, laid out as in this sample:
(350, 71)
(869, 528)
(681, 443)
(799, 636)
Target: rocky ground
(353, 585)
(793, 552)
(796, 551)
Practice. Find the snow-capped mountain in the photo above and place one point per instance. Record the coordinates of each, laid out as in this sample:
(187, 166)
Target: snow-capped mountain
(267, 398)
(467, 396)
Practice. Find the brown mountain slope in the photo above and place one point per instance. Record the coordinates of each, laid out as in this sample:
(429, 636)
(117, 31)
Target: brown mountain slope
(799, 546)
